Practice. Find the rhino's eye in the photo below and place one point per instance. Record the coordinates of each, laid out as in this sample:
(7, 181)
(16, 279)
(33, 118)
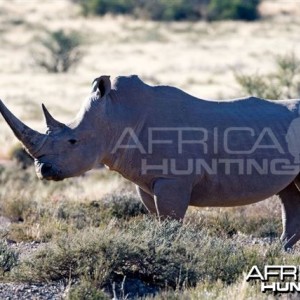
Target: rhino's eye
(72, 141)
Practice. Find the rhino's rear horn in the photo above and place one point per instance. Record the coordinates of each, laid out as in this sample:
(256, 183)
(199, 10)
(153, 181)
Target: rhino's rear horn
(50, 121)
(31, 139)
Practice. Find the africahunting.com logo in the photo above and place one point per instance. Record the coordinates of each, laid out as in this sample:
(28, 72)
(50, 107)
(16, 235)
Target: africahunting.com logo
(276, 278)
(197, 150)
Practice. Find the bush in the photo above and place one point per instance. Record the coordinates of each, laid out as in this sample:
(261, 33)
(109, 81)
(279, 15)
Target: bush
(114, 205)
(8, 257)
(283, 83)
(157, 10)
(233, 10)
(175, 10)
(59, 51)
(165, 10)
(123, 205)
(86, 291)
(229, 224)
(101, 7)
(19, 154)
(140, 257)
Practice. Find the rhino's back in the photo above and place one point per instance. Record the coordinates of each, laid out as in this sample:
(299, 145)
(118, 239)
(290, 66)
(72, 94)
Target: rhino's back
(176, 106)
(170, 106)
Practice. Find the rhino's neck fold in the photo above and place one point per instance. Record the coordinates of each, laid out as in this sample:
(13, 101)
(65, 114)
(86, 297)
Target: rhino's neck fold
(121, 127)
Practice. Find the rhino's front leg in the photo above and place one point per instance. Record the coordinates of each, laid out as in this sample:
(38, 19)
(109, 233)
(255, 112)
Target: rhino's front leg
(147, 200)
(171, 197)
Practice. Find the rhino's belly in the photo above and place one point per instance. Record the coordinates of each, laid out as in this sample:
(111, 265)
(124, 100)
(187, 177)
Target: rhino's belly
(237, 191)
(226, 201)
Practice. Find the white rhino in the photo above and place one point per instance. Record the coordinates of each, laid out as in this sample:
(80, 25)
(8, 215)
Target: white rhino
(177, 149)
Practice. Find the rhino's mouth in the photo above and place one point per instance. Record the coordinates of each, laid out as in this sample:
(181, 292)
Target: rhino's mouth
(46, 171)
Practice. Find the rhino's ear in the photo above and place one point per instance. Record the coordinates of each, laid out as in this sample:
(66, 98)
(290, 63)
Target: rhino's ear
(102, 85)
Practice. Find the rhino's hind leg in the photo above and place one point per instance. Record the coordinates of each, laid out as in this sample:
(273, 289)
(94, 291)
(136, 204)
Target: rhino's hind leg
(147, 200)
(290, 200)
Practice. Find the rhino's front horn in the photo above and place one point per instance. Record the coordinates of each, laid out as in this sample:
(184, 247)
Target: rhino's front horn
(50, 121)
(31, 139)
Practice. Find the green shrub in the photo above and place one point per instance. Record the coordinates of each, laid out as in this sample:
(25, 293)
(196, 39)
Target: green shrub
(283, 83)
(115, 205)
(216, 291)
(175, 10)
(8, 258)
(86, 291)
(142, 256)
(233, 10)
(59, 51)
(44, 209)
(19, 154)
(227, 224)
(123, 205)
(165, 10)
(101, 7)
(288, 73)
(258, 85)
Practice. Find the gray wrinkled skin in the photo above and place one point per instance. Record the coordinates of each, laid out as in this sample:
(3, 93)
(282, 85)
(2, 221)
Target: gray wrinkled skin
(72, 149)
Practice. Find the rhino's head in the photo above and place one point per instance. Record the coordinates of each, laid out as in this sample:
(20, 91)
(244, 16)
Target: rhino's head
(64, 150)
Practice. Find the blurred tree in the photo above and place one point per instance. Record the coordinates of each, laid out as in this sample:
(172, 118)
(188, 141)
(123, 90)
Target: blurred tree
(175, 10)
(233, 10)
(59, 51)
(283, 83)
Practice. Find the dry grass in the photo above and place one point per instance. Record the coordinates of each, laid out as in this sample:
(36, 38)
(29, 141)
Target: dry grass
(159, 255)
(41, 210)
(193, 56)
